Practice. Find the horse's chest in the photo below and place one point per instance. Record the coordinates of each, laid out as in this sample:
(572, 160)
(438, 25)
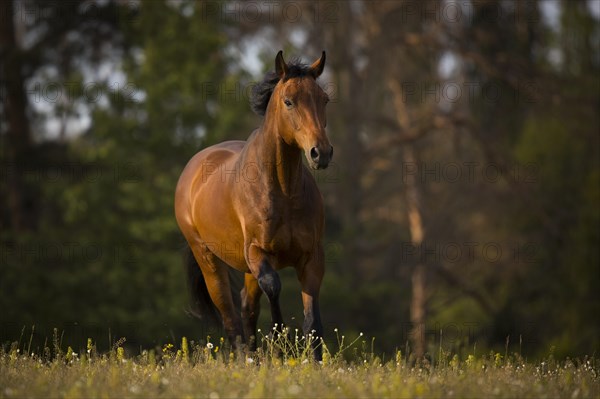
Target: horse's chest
(276, 232)
(283, 232)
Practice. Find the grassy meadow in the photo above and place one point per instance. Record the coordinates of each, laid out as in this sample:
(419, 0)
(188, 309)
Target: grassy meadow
(281, 367)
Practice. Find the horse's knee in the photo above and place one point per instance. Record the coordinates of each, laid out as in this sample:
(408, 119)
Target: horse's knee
(269, 283)
(247, 304)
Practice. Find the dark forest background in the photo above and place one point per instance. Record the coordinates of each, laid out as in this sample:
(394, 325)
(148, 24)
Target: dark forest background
(463, 202)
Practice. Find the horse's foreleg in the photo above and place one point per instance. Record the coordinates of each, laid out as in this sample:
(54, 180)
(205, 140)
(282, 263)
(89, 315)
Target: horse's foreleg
(250, 308)
(268, 280)
(310, 277)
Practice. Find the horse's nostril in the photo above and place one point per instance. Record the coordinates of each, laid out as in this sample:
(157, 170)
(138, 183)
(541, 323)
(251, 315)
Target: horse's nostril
(314, 154)
(331, 153)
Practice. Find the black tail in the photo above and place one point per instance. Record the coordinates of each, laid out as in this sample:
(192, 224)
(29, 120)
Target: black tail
(201, 306)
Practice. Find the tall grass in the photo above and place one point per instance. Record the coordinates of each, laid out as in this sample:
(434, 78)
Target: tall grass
(282, 367)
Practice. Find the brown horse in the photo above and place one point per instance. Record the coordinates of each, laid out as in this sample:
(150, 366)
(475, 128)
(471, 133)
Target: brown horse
(253, 205)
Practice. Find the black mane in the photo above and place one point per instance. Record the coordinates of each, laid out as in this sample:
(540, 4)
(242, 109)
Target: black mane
(261, 92)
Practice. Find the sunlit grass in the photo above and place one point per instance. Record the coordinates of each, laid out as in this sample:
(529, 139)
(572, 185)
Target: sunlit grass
(282, 367)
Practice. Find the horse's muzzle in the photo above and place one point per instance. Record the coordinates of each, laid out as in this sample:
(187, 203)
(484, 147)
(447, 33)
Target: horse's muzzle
(321, 157)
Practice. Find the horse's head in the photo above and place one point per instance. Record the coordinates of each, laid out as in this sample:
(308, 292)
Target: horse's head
(299, 104)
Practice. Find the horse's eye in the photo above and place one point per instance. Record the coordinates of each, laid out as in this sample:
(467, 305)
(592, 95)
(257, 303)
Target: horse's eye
(288, 103)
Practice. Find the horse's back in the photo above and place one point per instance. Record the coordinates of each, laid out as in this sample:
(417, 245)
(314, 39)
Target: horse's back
(215, 154)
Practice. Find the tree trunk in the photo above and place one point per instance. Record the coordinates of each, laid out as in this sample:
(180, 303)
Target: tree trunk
(418, 306)
(14, 109)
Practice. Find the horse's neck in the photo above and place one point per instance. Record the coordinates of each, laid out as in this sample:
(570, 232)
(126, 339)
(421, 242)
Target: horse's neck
(280, 164)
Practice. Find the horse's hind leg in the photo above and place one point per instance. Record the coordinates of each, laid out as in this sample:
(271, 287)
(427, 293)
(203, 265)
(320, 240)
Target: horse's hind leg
(250, 308)
(216, 276)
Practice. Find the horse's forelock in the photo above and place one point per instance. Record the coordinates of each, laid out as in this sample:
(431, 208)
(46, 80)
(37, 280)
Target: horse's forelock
(261, 92)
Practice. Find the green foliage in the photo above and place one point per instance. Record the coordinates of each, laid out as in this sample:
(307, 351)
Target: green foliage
(567, 191)
(110, 239)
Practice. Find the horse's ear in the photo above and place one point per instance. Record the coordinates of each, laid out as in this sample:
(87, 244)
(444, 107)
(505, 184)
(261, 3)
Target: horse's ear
(280, 65)
(316, 69)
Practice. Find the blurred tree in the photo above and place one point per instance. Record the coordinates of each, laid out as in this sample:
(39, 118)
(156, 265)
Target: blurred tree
(103, 250)
(39, 39)
(16, 127)
(109, 213)
(561, 137)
